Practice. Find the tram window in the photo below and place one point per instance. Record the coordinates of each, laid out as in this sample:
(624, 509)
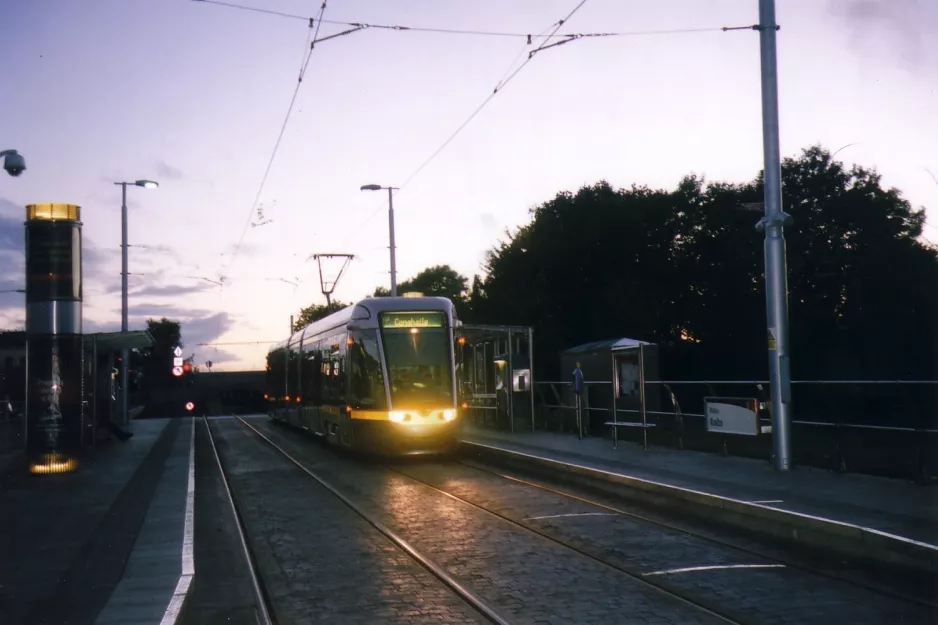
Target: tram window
(334, 371)
(418, 365)
(312, 375)
(366, 379)
(293, 373)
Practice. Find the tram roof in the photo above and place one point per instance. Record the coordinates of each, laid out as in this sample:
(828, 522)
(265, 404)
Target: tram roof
(364, 309)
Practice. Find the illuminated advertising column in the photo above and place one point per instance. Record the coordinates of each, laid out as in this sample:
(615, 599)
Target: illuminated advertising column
(53, 329)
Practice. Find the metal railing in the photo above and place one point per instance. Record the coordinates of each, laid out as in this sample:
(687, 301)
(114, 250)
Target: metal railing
(883, 427)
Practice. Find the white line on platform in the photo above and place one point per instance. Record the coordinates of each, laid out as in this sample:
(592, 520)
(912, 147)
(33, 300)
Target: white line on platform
(188, 535)
(699, 493)
(715, 567)
(768, 501)
(558, 516)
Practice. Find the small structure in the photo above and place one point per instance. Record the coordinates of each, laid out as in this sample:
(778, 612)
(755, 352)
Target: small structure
(101, 379)
(494, 371)
(617, 373)
(53, 332)
(223, 392)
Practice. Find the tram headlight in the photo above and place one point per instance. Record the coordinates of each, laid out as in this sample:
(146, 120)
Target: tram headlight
(449, 414)
(396, 416)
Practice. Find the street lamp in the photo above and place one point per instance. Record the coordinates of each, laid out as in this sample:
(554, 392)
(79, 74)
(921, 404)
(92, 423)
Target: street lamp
(125, 354)
(377, 187)
(13, 162)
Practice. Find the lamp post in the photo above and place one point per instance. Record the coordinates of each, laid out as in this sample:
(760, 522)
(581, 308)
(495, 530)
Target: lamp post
(773, 225)
(377, 187)
(125, 354)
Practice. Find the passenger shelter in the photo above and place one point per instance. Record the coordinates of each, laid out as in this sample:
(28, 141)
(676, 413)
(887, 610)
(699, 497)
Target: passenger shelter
(617, 374)
(494, 365)
(102, 384)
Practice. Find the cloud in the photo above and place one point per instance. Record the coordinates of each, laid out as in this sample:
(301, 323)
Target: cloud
(167, 171)
(489, 224)
(197, 325)
(900, 28)
(172, 290)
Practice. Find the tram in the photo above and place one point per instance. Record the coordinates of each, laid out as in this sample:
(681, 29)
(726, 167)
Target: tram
(376, 376)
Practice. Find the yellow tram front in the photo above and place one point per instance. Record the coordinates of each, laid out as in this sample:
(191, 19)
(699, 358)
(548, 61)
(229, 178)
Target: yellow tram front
(403, 391)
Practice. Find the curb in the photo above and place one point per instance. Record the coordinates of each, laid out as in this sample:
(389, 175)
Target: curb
(829, 535)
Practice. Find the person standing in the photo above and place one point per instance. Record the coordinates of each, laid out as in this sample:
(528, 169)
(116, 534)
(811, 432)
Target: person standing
(578, 384)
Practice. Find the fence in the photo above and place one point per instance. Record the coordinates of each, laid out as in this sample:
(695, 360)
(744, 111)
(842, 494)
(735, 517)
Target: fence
(880, 427)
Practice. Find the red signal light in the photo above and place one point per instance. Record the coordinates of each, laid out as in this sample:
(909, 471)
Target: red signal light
(186, 367)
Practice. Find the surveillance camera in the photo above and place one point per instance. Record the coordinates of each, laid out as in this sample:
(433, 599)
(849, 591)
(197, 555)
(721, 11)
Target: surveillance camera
(15, 164)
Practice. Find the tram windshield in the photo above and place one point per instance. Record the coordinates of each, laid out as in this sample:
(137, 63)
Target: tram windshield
(419, 359)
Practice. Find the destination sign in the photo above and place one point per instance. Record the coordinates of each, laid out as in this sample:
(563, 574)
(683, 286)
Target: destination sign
(412, 320)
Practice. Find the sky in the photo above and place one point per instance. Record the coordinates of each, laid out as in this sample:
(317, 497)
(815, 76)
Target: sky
(194, 95)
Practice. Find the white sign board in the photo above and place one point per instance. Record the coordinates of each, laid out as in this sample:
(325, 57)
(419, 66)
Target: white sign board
(177, 371)
(177, 352)
(177, 361)
(730, 418)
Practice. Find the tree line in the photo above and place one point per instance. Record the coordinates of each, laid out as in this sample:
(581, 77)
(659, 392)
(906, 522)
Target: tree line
(683, 268)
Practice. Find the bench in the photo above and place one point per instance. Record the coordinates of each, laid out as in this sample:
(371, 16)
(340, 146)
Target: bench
(624, 424)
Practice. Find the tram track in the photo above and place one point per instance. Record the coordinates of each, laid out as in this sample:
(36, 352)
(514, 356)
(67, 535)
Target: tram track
(708, 537)
(464, 593)
(715, 615)
(263, 607)
(624, 552)
(712, 610)
(718, 606)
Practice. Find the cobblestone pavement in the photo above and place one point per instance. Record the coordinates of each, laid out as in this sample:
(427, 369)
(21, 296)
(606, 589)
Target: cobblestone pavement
(320, 562)
(527, 578)
(757, 595)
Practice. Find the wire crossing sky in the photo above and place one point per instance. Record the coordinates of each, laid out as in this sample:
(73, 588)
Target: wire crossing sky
(403, 94)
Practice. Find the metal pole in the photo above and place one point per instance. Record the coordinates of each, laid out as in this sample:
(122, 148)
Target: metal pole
(286, 364)
(125, 389)
(531, 374)
(641, 393)
(615, 394)
(26, 399)
(511, 385)
(391, 232)
(773, 224)
(96, 386)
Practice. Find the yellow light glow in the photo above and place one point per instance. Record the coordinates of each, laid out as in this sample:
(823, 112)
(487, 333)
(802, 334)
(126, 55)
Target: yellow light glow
(396, 416)
(449, 414)
(52, 464)
(53, 212)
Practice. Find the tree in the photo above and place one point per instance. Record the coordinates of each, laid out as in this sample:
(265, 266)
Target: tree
(156, 361)
(439, 281)
(315, 312)
(684, 269)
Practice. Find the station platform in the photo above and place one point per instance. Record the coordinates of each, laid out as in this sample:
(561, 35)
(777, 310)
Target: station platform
(902, 509)
(107, 543)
